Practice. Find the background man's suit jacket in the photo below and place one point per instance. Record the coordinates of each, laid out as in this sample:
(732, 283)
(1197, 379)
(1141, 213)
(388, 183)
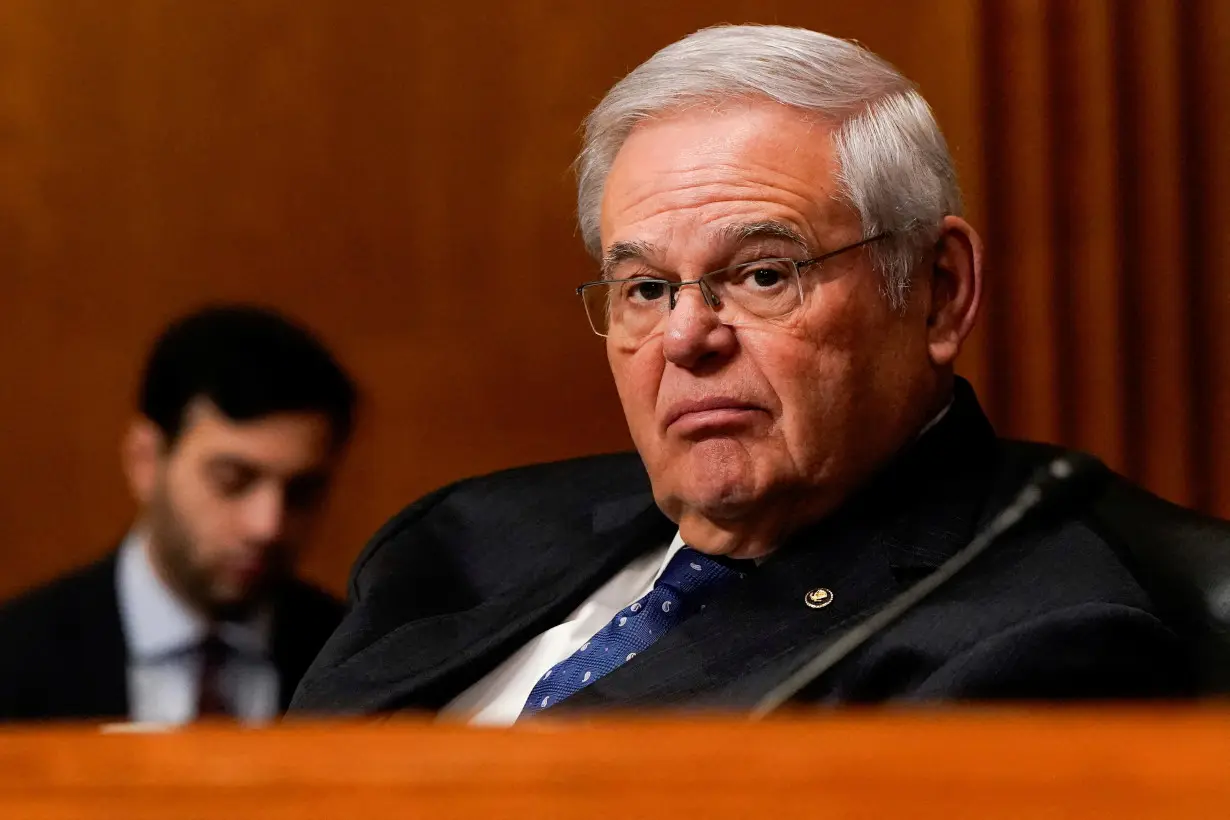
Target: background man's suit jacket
(65, 656)
(466, 576)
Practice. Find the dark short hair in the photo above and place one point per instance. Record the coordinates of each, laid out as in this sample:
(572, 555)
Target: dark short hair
(250, 362)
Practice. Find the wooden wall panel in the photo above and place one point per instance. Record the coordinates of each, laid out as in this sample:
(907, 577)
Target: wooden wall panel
(1020, 299)
(395, 174)
(1105, 126)
(1206, 28)
(1158, 270)
(1084, 119)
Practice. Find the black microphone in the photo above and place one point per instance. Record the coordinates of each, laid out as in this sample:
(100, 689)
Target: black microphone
(1059, 484)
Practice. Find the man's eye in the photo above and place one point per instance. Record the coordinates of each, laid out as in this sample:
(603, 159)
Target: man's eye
(231, 482)
(762, 276)
(766, 277)
(648, 291)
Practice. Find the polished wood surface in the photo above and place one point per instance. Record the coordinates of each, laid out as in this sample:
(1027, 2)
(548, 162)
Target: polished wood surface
(396, 175)
(943, 764)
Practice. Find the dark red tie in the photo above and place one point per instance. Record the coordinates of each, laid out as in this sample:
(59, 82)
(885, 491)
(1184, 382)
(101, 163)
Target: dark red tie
(211, 703)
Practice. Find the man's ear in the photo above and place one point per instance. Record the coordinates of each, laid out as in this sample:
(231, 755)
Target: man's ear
(956, 289)
(141, 453)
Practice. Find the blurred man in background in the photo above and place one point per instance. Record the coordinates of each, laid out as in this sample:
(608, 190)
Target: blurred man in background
(243, 418)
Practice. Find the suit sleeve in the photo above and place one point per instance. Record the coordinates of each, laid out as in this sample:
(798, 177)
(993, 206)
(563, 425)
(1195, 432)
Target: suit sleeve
(380, 592)
(377, 562)
(1093, 651)
(16, 658)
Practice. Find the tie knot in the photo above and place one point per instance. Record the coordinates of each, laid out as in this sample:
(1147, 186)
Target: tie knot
(214, 650)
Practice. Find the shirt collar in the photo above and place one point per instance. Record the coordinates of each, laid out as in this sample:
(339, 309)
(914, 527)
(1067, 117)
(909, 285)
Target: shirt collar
(157, 623)
(935, 420)
(675, 545)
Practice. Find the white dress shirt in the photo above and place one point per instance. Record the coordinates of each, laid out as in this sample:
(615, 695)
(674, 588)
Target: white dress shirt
(498, 698)
(164, 662)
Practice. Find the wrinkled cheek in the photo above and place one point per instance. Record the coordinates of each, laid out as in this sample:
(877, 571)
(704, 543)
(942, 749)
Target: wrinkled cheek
(639, 413)
(638, 377)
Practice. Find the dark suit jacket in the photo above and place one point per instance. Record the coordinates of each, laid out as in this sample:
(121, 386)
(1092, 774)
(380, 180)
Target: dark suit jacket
(65, 656)
(466, 576)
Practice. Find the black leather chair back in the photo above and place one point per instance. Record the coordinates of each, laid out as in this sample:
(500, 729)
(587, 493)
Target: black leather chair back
(1182, 559)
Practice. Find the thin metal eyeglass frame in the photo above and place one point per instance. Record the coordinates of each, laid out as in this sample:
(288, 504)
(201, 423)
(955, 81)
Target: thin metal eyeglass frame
(706, 290)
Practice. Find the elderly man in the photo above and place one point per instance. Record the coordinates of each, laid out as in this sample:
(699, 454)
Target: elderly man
(786, 282)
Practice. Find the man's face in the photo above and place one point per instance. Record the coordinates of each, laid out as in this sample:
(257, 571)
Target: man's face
(769, 421)
(231, 503)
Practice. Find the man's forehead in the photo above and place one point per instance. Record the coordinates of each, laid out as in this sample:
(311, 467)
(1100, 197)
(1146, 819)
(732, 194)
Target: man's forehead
(277, 437)
(777, 137)
(718, 237)
(759, 172)
(201, 411)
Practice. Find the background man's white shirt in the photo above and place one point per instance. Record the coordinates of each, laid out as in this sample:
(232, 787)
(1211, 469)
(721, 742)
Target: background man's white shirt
(164, 662)
(498, 698)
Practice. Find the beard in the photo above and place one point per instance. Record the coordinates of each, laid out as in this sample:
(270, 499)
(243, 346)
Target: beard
(175, 552)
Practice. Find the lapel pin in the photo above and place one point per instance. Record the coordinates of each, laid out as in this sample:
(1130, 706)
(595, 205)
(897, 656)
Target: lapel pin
(818, 598)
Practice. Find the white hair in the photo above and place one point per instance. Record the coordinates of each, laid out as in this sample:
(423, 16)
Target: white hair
(894, 165)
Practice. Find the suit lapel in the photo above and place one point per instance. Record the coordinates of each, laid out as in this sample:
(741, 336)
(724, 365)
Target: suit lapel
(107, 662)
(755, 627)
(302, 623)
(424, 663)
(99, 685)
(287, 652)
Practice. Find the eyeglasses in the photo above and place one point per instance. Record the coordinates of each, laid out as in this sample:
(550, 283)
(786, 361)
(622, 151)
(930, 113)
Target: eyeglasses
(635, 308)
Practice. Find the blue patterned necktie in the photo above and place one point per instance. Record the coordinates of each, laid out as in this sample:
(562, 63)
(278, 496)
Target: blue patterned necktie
(678, 592)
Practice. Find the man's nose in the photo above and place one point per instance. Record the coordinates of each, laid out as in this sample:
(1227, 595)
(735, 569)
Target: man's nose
(694, 334)
(265, 515)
